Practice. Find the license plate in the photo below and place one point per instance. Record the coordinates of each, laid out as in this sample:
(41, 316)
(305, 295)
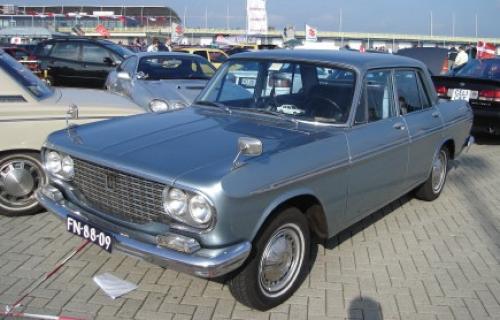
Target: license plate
(86, 231)
(463, 94)
(248, 82)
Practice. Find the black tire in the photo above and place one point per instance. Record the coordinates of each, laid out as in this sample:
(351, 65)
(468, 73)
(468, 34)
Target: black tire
(247, 286)
(17, 205)
(430, 190)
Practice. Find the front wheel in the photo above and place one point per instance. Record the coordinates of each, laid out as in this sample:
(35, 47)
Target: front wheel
(278, 264)
(21, 175)
(432, 187)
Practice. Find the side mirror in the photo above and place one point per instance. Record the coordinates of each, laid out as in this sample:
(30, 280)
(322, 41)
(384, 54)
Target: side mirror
(249, 146)
(123, 75)
(109, 61)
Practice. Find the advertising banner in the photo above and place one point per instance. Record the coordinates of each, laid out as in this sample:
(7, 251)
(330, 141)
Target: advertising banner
(177, 32)
(256, 17)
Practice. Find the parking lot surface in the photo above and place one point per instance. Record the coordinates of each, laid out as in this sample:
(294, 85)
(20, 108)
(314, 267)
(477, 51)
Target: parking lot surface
(410, 260)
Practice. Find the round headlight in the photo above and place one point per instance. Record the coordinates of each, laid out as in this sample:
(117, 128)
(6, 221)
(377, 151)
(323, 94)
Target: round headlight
(67, 167)
(53, 162)
(175, 201)
(158, 105)
(200, 210)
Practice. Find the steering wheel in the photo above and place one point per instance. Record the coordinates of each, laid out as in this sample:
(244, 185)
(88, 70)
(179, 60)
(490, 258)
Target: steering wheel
(330, 109)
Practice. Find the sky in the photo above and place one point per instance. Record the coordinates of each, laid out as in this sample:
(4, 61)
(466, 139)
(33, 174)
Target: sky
(386, 16)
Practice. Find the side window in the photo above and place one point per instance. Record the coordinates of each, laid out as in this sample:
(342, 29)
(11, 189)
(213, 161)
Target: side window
(424, 96)
(201, 54)
(408, 93)
(66, 50)
(93, 53)
(377, 100)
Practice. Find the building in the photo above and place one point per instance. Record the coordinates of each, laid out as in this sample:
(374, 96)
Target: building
(111, 17)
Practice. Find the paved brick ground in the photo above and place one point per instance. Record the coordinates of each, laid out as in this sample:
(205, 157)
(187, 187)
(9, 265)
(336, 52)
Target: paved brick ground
(411, 260)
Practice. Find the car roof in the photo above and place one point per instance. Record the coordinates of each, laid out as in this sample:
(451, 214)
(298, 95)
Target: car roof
(200, 48)
(102, 41)
(166, 53)
(355, 60)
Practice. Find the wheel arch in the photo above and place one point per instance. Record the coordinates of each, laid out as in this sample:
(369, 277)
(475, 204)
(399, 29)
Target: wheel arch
(7, 152)
(307, 203)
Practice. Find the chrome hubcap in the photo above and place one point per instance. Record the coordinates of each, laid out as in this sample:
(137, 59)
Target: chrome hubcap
(439, 171)
(19, 178)
(281, 261)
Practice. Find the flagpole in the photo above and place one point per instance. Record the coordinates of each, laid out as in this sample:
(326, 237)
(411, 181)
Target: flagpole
(340, 29)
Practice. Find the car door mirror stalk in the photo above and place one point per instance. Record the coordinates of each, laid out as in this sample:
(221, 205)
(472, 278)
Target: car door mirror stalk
(247, 146)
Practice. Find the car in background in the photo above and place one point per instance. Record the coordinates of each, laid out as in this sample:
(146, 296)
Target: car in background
(29, 111)
(436, 59)
(478, 82)
(25, 57)
(213, 55)
(81, 62)
(161, 81)
(240, 185)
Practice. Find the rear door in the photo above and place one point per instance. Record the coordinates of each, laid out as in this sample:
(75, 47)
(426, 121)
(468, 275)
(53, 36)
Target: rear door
(64, 62)
(424, 122)
(378, 144)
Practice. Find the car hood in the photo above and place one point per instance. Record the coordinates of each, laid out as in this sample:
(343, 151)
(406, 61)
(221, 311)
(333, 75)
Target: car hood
(94, 103)
(163, 147)
(175, 89)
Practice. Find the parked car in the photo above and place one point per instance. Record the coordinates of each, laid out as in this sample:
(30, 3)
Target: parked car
(231, 185)
(81, 62)
(213, 55)
(29, 111)
(161, 81)
(436, 59)
(478, 82)
(25, 57)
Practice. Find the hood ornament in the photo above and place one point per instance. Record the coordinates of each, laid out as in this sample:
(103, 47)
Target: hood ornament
(247, 146)
(71, 114)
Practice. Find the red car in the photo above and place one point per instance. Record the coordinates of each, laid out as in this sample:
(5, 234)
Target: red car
(25, 57)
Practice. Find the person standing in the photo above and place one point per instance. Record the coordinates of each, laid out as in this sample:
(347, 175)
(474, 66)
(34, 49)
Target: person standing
(155, 46)
(461, 59)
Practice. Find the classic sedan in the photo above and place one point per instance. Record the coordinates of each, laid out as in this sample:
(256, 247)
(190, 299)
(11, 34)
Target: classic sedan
(160, 81)
(235, 185)
(29, 111)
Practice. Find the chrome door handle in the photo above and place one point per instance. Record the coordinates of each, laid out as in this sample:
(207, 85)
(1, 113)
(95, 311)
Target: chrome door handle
(399, 126)
(435, 114)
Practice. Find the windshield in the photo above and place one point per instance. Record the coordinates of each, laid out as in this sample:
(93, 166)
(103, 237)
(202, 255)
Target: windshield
(174, 67)
(487, 69)
(24, 77)
(302, 91)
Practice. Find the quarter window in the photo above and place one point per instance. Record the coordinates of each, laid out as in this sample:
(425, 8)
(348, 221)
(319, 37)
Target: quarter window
(377, 100)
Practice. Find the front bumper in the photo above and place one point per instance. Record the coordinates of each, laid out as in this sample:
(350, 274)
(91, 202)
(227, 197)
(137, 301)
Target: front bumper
(206, 263)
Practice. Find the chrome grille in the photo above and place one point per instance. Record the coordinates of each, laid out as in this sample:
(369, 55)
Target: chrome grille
(119, 194)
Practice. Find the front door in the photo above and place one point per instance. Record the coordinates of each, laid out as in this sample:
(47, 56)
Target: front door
(378, 144)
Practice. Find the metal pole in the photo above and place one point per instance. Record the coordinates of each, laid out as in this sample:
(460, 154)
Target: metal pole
(453, 25)
(227, 17)
(476, 27)
(431, 26)
(340, 29)
(206, 17)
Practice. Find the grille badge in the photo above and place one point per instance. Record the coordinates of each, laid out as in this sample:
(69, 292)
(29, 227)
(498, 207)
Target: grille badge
(111, 181)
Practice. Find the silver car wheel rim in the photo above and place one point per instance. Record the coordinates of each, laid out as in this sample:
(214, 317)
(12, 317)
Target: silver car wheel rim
(439, 172)
(281, 260)
(19, 178)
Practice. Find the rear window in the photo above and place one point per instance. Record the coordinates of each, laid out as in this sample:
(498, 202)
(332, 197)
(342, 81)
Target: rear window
(486, 69)
(24, 77)
(172, 67)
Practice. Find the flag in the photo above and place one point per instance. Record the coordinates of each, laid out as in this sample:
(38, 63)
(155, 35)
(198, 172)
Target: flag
(102, 30)
(311, 33)
(485, 50)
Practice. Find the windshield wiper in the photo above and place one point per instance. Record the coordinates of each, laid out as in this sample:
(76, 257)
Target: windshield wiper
(213, 104)
(272, 113)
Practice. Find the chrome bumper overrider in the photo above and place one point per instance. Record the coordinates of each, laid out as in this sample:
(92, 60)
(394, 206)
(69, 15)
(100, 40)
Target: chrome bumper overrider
(206, 263)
